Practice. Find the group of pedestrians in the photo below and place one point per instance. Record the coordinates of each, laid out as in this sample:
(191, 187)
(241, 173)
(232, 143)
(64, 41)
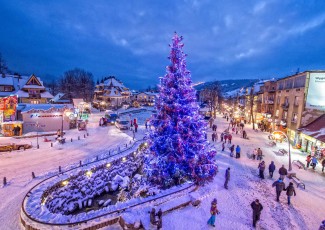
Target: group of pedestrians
(257, 154)
(312, 161)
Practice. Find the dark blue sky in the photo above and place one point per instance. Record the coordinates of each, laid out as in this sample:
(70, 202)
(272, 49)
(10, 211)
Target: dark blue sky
(129, 39)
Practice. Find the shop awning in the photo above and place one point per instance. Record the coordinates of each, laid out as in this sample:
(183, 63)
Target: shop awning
(315, 129)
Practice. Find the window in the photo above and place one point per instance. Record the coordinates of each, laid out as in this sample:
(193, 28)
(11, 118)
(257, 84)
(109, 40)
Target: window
(278, 101)
(34, 102)
(5, 88)
(300, 81)
(277, 113)
(294, 117)
(284, 115)
(286, 101)
(296, 101)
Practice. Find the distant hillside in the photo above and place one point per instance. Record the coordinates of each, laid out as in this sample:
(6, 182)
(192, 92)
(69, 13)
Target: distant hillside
(229, 86)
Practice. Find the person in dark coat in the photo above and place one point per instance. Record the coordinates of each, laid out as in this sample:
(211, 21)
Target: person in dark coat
(283, 172)
(223, 146)
(221, 137)
(323, 165)
(322, 226)
(135, 127)
(227, 178)
(279, 187)
(232, 148)
(153, 216)
(271, 169)
(213, 137)
(261, 168)
(290, 191)
(257, 209)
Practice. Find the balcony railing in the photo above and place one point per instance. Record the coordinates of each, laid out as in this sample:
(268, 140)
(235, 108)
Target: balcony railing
(34, 96)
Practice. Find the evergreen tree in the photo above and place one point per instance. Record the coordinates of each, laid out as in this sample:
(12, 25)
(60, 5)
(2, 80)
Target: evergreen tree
(178, 149)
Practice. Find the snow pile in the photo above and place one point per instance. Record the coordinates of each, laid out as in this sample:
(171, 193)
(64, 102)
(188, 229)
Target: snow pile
(78, 191)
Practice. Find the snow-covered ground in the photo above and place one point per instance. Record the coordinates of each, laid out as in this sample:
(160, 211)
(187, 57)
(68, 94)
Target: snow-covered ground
(17, 166)
(306, 212)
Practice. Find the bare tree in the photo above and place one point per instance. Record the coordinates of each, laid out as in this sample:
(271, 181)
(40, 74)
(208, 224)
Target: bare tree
(251, 102)
(3, 65)
(212, 94)
(77, 83)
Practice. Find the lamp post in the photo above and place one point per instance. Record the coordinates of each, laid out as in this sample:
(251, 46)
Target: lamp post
(277, 135)
(62, 124)
(37, 126)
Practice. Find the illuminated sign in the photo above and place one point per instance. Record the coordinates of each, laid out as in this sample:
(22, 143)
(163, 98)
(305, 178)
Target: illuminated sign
(316, 92)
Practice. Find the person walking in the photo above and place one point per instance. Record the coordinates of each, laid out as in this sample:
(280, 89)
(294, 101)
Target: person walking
(314, 162)
(232, 148)
(283, 172)
(146, 124)
(323, 165)
(216, 136)
(237, 151)
(261, 167)
(211, 122)
(227, 178)
(214, 211)
(213, 137)
(271, 169)
(221, 137)
(254, 154)
(308, 159)
(290, 191)
(229, 138)
(257, 209)
(136, 127)
(279, 187)
(225, 137)
(223, 146)
(259, 154)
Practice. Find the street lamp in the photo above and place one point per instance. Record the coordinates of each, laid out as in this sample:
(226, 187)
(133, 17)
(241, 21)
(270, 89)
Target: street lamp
(37, 126)
(277, 136)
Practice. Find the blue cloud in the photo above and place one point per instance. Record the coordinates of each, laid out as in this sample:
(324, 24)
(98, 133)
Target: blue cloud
(129, 39)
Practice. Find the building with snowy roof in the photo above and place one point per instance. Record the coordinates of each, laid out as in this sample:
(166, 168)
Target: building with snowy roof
(28, 89)
(144, 98)
(111, 93)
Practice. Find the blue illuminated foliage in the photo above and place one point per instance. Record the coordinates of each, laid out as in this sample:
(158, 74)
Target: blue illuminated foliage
(178, 150)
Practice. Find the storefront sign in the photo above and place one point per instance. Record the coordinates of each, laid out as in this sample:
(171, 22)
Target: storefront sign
(316, 92)
(8, 106)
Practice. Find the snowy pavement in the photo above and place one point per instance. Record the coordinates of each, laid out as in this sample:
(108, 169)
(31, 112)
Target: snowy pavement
(17, 166)
(306, 211)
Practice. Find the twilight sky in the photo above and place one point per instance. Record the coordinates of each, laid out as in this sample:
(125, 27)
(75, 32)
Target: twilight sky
(224, 39)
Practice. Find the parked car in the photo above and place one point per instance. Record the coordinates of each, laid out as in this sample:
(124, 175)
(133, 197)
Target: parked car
(122, 124)
(8, 147)
(110, 117)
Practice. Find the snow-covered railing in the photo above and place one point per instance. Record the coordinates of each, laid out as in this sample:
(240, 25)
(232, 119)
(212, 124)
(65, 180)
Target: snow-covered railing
(86, 218)
(111, 154)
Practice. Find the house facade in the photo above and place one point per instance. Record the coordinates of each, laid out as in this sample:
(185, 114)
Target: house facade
(290, 106)
(111, 93)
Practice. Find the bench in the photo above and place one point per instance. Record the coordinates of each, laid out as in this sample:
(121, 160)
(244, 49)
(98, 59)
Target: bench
(299, 164)
(283, 152)
(298, 182)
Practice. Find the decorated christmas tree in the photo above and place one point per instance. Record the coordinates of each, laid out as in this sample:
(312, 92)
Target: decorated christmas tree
(178, 150)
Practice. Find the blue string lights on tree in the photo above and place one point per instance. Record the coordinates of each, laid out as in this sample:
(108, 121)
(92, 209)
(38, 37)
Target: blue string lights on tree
(178, 150)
